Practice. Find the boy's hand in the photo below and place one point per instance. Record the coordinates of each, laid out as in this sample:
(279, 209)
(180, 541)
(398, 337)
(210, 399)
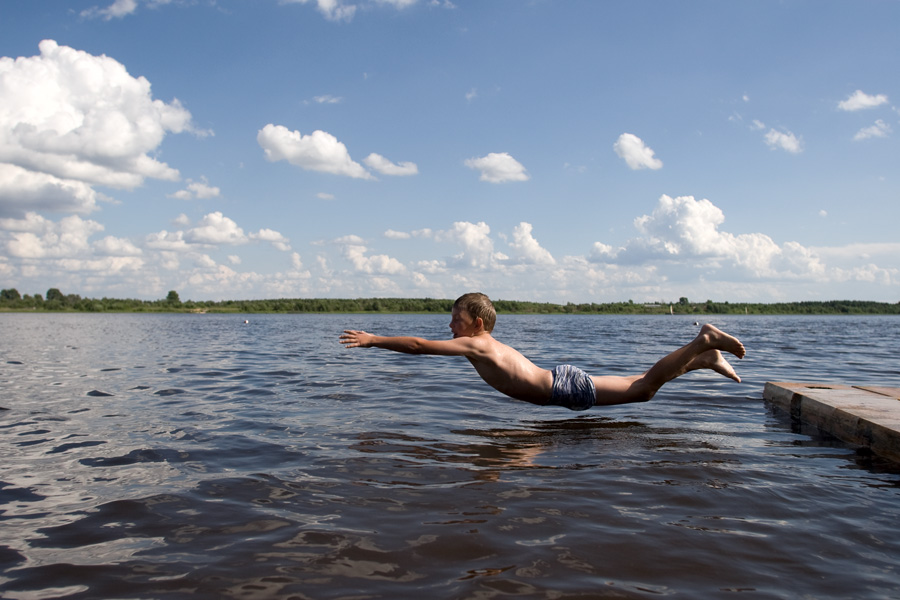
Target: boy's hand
(356, 339)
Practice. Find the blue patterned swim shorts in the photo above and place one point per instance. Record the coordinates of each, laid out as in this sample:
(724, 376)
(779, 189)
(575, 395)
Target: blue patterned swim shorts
(572, 388)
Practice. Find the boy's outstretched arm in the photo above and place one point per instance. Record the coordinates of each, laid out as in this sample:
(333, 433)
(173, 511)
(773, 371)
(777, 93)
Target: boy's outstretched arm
(406, 344)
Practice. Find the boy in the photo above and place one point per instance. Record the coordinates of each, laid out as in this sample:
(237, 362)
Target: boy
(509, 372)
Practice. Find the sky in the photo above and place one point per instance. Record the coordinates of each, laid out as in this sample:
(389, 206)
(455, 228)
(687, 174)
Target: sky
(552, 151)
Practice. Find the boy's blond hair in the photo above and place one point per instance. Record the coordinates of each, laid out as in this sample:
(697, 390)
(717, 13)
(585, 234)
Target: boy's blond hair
(478, 306)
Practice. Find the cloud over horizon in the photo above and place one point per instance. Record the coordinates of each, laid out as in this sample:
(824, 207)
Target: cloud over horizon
(70, 121)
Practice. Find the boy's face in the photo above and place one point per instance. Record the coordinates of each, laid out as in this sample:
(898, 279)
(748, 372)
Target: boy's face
(462, 324)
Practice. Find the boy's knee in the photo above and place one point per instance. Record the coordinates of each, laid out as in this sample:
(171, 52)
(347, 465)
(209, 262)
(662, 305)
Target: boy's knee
(644, 393)
(645, 397)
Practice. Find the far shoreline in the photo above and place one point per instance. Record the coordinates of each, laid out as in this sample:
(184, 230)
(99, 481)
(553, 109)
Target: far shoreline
(72, 303)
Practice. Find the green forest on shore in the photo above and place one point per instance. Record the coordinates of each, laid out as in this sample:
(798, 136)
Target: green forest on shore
(56, 301)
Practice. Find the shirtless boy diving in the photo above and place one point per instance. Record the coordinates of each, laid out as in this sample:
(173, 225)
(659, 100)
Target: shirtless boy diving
(509, 372)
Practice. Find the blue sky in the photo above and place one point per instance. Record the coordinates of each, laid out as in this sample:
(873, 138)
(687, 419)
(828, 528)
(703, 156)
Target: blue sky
(569, 151)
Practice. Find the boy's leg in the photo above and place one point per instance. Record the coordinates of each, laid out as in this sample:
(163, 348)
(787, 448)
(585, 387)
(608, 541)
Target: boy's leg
(703, 352)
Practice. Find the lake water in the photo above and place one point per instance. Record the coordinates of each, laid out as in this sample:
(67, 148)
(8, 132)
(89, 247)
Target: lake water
(176, 456)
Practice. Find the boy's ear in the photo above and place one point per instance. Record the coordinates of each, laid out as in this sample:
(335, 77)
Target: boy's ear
(479, 323)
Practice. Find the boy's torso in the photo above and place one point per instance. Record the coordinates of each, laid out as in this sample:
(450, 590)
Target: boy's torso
(508, 371)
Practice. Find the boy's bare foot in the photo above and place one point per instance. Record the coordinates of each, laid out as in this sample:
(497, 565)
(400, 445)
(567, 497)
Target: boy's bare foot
(713, 359)
(720, 340)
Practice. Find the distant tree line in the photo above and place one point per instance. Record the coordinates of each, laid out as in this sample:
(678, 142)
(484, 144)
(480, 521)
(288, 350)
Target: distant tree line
(56, 301)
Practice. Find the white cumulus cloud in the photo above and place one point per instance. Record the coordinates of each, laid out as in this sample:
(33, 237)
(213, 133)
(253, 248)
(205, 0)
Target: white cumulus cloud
(783, 140)
(859, 100)
(344, 10)
(498, 167)
(879, 129)
(333, 10)
(386, 167)
(215, 228)
(318, 151)
(475, 241)
(115, 246)
(273, 237)
(327, 99)
(688, 230)
(116, 10)
(167, 241)
(355, 251)
(75, 116)
(197, 189)
(397, 235)
(526, 249)
(636, 154)
(37, 237)
(22, 191)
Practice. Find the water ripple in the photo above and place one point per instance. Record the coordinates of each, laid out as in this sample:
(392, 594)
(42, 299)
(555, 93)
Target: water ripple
(169, 456)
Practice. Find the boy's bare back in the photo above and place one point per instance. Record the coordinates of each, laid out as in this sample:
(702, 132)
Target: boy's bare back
(506, 370)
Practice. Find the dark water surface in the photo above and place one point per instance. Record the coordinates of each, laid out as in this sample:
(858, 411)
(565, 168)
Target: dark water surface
(176, 456)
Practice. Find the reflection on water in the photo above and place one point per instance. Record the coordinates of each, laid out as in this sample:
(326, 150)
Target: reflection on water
(161, 456)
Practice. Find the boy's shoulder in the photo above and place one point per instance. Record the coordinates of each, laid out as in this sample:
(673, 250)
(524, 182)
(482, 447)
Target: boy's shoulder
(482, 342)
(485, 343)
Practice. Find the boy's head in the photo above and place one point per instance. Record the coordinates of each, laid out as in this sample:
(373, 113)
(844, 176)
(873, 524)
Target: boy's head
(479, 307)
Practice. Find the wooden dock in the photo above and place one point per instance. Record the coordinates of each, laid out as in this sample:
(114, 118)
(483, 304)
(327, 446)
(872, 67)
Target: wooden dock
(864, 415)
